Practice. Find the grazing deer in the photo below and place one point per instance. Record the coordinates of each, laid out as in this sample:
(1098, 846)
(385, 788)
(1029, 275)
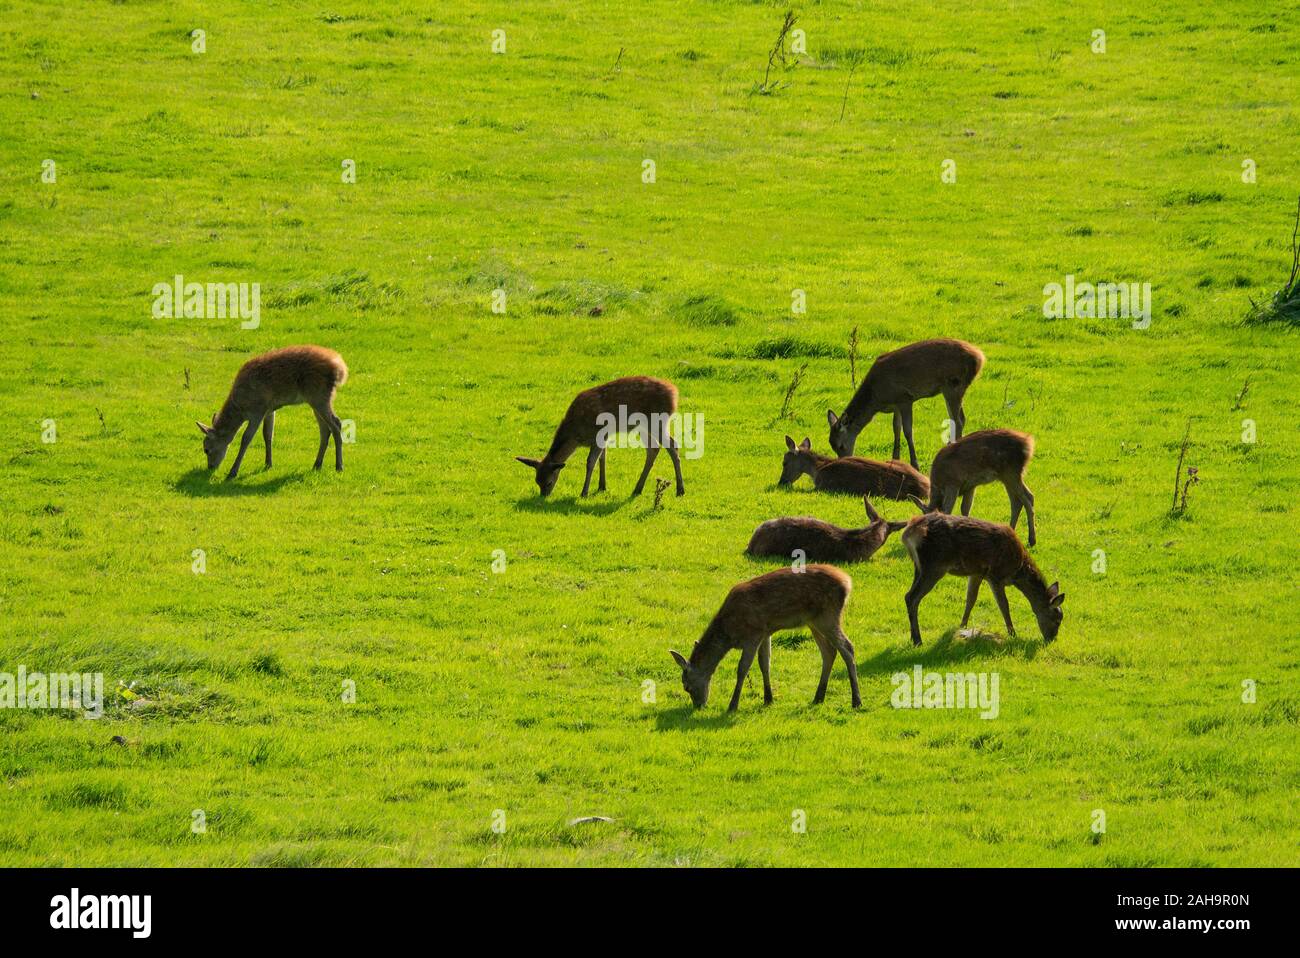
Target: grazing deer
(595, 416)
(942, 545)
(821, 541)
(861, 477)
(994, 455)
(897, 379)
(282, 377)
(753, 610)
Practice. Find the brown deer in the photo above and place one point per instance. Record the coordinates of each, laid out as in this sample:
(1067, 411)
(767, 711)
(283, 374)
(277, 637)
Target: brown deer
(282, 377)
(993, 455)
(753, 610)
(820, 541)
(899, 378)
(861, 477)
(636, 403)
(942, 545)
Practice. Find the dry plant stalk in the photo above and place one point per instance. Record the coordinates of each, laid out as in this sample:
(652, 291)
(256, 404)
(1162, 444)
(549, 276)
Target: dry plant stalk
(790, 391)
(1178, 472)
(661, 486)
(778, 49)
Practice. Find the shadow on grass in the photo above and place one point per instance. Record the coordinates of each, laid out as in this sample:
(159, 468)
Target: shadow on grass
(201, 483)
(949, 649)
(688, 719)
(574, 505)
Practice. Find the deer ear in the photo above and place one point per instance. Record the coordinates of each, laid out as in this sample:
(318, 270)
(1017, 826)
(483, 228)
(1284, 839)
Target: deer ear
(871, 513)
(1054, 588)
(789, 444)
(895, 527)
(1057, 599)
(679, 659)
(806, 444)
(918, 503)
(832, 418)
(202, 428)
(530, 463)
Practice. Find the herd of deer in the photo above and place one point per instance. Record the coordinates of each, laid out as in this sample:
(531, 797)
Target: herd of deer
(813, 595)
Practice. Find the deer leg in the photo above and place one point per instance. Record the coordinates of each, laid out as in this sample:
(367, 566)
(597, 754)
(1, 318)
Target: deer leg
(336, 429)
(898, 434)
(949, 499)
(268, 430)
(955, 412)
(324, 438)
(746, 660)
(972, 593)
(905, 413)
(850, 662)
(765, 666)
(249, 432)
(1027, 498)
(601, 487)
(671, 443)
(1000, 593)
(967, 498)
(592, 458)
(922, 583)
(828, 661)
(1016, 504)
(651, 453)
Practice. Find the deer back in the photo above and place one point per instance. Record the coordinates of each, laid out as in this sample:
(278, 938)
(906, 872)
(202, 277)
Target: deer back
(784, 599)
(959, 545)
(286, 376)
(980, 457)
(922, 369)
(889, 480)
(620, 399)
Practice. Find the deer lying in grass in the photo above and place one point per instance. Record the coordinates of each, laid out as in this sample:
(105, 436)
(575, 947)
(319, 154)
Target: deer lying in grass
(862, 477)
(282, 377)
(753, 610)
(942, 545)
(587, 423)
(899, 378)
(994, 455)
(820, 541)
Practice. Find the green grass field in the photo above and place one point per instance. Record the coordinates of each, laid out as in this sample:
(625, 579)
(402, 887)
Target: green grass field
(522, 690)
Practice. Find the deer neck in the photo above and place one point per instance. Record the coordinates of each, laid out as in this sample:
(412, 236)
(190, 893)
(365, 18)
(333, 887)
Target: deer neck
(228, 419)
(710, 650)
(1032, 586)
(562, 447)
(859, 410)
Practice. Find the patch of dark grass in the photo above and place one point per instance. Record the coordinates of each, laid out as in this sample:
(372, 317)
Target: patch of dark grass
(88, 795)
(893, 58)
(704, 310)
(497, 274)
(1191, 197)
(266, 663)
(352, 289)
(581, 297)
(787, 347)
